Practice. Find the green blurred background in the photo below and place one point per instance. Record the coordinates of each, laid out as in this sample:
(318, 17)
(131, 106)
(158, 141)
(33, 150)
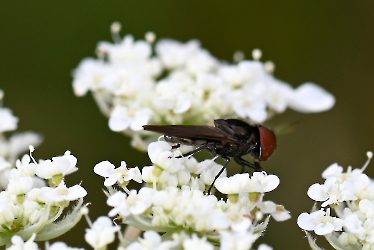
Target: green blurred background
(327, 42)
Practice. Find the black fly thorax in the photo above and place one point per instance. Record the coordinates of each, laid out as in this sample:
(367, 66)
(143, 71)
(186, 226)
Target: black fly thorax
(230, 150)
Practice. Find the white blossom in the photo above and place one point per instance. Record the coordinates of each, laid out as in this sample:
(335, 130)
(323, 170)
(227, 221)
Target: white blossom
(208, 169)
(232, 185)
(351, 195)
(135, 203)
(26, 210)
(278, 212)
(19, 244)
(361, 223)
(310, 97)
(62, 246)
(320, 222)
(196, 243)
(248, 106)
(174, 54)
(202, 61)
(24, 167)
(333, 170)
(4, 164)
(9, 212)
(354, 225)
(151, 241)
(277, 94)
(332, 191)
(182, 83)
(19, 143)
(120, 175)
(60, 165)
(62, 193)
(264, 247)
(262, 182)
(122, 118)
(19, 185)
(160, 154)
(88, 76)
(363, 186)
(128, 49)
(8, 122)
(101, 233)
(165, 204)
(233, 240)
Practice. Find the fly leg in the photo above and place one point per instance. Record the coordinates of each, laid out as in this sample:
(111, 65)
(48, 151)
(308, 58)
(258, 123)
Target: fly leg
(242, 169)
(193, 151)
(227, 160)
(256, 166)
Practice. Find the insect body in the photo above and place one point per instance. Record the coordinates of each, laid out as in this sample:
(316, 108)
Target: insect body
(228, 138)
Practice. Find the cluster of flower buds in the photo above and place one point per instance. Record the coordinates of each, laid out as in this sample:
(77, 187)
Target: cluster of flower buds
(173, 202)
(346, 216)
(170, 82)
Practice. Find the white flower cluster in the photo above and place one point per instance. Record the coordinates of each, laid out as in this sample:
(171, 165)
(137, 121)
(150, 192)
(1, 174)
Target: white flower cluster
(11, 148)
(173, 203)
(170, 82)
(351, 197)
(28, 206)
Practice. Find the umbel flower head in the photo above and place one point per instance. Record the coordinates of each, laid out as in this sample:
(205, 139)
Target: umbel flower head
(29, 208)
(173, 202)
(350, 195)
(138, 82)
(11, 148)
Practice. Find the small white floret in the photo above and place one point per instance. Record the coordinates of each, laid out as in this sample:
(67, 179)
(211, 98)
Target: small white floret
(320, 222)
(310, 97)
(101, 233)
(62, 193)
(8, 122)
(232, 185)
(196, 243)
(332, 191)
(60, 165)
(120, 175)
(19, 244)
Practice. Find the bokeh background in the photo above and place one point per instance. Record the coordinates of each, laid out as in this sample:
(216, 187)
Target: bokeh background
(327, 42)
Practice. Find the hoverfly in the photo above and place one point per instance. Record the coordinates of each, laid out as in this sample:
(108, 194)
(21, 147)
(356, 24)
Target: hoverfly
(228, 138)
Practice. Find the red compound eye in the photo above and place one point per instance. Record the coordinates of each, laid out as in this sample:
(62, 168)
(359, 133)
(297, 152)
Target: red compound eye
(268, 143)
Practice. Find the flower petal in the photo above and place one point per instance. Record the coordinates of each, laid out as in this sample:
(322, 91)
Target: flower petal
(310, 97)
